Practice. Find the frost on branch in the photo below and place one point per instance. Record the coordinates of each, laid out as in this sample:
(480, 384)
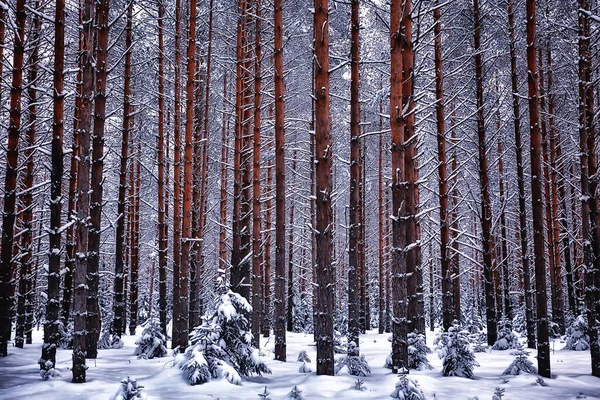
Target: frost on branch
(221, 347)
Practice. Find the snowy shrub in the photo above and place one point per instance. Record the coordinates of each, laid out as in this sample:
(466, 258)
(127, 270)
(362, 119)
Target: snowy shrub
(355, 362)
(506, 337)
(388, 362)
(303, 356)
(359, 385)
(129, 390)
(109, 340)
(518, 322)
(417, 352)
(304, 369)
(47, 371)
(455, 351)
(479, 341)
(520, 363)
(498, 394)
(577, 336)
(407, 389)
(338, 343)
(222, 346)
(152, 343)
(295, 394)
(66, 336)
(473, 321)
(553, 330)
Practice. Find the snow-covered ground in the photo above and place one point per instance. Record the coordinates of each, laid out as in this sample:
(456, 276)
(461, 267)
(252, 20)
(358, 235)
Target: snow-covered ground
(19, 378)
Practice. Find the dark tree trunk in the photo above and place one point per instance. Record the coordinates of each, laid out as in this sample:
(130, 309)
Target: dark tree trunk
(223, 189)
(486, 208)
(52, 321)
(354, 290)
(279, 312)
(380, 232)
(536, 196)
(83, 197)
(10, 181)
(135, 183)
(530, 322)
(325, 269)
(399, 240)
(119, 301)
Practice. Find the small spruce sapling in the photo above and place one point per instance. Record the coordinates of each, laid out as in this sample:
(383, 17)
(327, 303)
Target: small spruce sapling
(129, 390)
(417, 352)
(407, 389)
(338, 343)
(506, 337)
(454, 349)
(222, 346)
(359, 385)
(355, 362)
(47, 372)
(498, 394)
(152, 342)
(264, 395)
(295, 394)
(577, 335)
(520, 363)
(303, 356)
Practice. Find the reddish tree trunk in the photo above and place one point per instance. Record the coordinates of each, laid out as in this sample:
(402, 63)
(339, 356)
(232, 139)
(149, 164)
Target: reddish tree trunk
(536, 196)
(135, 240)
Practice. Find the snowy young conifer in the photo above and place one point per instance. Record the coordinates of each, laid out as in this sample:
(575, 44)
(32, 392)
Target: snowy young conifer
(506, 337)
(304, 369)
(417, 352)
(520, 363)
(47, 372)
(303, 356)
(498, 394)
(152, 343)
(577, 335)
(355, 362)
(222, 346)
(295, 394)
(129, 390)
(454, 349)
(407, 389)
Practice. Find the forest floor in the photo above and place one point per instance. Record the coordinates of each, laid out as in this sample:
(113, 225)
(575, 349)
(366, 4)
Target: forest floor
(19, 378)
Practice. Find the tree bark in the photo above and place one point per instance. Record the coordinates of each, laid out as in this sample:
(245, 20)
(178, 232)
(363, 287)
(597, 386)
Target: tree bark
(530, 322)
(279, 315)
(119, 301)
(10, 181)
(399, 240)
(486, 208)
(52, 321)
(536, 195)
(135, 236)
(83, 197)
(325, 269)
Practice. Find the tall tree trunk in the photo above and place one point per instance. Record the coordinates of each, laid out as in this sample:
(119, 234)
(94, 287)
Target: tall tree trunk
(93, 308)
(223, 189)
(486, 208)
(354, 290)
(536, 195)
(177, 311)
(454, 231)
(182, 301)
(52, 321)
(447, 294)
(289, 316)
(414, 313)
(380, 232)
(26, 210)
(399, 240)
(589, 228)
(520, 181)
(10, 181)
(163, 230)
(279, 315)
(325, 274)
(119, 302)
(266, 291)
(257, 254)
(135, 234)
(83, 197)
(559, 317)
(503, 259)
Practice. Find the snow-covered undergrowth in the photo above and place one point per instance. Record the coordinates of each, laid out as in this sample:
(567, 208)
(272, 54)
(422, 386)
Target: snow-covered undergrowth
(20, 379)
